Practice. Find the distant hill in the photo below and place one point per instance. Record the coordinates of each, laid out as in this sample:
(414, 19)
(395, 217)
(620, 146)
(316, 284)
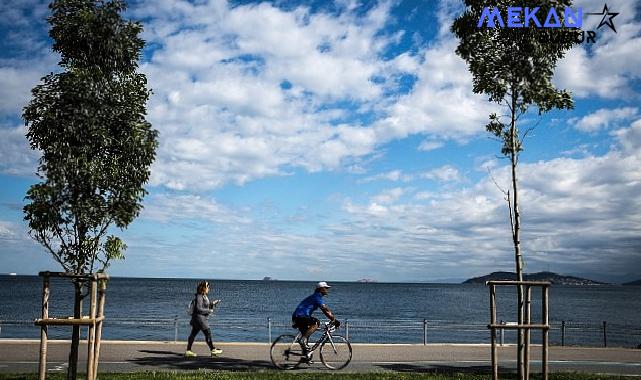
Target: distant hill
(539, 276)
(637, 282)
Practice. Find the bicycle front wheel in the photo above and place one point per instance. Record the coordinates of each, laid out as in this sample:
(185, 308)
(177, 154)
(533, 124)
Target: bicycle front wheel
(286, 352)
(336, 352)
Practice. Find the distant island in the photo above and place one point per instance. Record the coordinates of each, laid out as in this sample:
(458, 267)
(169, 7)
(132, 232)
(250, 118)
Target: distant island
(551, 277)
(267, 278)
(637, 282)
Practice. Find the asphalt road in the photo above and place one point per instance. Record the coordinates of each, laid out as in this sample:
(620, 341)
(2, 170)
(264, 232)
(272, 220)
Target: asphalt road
(21, 356)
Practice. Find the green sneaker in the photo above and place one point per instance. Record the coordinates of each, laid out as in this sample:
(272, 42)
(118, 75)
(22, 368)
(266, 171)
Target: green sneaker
(216, 351)
(190, 354)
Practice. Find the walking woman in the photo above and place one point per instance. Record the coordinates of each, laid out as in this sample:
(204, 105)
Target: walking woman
(201, 310)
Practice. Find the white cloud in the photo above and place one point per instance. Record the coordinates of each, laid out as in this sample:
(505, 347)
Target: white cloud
(630, 138)
(388, 196)
(393, 175)
(219, 104)
(16, 86)
(168, 208)
(251, 91)
(446, 173)
(603, 118)
(611, 64)
(16, 157)
(441, 104)
(6, 230)
(218, 91)
(428, 145)
(577, 215)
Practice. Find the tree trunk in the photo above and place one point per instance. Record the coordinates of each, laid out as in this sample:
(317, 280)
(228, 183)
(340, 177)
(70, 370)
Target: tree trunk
(520, 359)
(72, 371)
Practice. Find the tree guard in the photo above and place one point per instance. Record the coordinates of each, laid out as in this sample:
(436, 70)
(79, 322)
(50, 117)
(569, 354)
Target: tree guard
(97, 285)
(526, 326)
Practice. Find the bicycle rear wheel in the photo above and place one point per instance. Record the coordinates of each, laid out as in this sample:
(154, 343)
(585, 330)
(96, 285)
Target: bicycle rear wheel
(336, 353)
(286, 352)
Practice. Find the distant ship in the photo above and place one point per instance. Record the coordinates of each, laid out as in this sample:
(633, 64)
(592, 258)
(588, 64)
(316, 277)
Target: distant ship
(13, 274)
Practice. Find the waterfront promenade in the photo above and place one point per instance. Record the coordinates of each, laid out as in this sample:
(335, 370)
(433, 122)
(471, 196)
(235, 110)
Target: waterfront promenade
(21, 356)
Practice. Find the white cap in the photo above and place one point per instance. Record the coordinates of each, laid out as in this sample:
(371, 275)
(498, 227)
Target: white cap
(322, 284)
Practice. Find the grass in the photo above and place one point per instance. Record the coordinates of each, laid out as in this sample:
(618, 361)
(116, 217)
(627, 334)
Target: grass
(200, 375)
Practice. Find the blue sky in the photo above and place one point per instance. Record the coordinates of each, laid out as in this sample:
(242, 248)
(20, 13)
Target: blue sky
(341, 140)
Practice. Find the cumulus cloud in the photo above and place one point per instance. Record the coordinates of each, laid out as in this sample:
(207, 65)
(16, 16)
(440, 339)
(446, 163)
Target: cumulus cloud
(6, 230)
(254, 91)
(393, 175)
(428, 145)
(603, 118)
(247, 92)
(443, 75)
(16, 86)
(577, 215)
(25, 58)
(608, 67)
(446, 173)
(23, 35)
(16, 157)
(388, 196)
(168, 208)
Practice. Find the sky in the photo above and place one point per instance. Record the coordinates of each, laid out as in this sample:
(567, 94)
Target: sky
(342, 140)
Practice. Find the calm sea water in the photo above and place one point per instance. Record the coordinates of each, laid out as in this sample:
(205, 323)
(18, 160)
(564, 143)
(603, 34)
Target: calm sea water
(145, 309)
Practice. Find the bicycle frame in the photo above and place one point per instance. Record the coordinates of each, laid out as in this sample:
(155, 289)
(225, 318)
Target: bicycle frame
(327, 336)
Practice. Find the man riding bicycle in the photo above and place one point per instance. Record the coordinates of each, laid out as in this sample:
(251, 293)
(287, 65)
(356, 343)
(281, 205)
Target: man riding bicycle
(303, 319)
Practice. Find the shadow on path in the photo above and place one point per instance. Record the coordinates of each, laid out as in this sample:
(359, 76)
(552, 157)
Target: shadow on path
(440, 369)
(175, 360)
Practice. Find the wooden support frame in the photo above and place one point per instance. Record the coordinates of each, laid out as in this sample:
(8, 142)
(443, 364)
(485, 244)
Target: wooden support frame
(94, 321)
(527, 325)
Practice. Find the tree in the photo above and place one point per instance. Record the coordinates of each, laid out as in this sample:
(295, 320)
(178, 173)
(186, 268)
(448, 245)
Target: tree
(514, 67)
(89, 123)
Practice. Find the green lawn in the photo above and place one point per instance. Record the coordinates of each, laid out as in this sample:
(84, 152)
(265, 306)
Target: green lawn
(308, 376)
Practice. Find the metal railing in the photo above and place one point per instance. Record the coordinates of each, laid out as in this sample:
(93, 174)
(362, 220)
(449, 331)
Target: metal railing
(413, 330)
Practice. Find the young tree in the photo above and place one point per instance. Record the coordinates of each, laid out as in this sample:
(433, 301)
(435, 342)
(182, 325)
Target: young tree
(514, 67)
(89, 123)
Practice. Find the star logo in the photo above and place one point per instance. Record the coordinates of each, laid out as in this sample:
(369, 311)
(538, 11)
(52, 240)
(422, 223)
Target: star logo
(607, 18)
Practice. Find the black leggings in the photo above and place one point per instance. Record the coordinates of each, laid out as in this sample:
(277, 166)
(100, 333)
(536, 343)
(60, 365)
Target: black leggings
(192, 336)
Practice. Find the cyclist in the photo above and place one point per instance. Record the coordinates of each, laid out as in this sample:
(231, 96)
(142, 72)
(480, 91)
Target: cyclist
(303, 319)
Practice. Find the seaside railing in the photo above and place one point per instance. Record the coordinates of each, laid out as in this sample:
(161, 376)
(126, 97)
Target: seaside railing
(417, 331)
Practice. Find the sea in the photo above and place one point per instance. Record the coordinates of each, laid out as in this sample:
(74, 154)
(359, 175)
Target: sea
(373, 312)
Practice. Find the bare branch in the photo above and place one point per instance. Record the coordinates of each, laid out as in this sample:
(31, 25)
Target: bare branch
(509, 205)
(527, 132)
(489, 172)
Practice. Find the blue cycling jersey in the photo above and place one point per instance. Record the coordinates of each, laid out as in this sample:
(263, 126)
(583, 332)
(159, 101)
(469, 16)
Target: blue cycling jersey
(307, 306)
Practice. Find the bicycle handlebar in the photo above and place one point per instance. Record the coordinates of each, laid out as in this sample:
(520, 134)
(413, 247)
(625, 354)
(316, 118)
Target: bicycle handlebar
(332, 324)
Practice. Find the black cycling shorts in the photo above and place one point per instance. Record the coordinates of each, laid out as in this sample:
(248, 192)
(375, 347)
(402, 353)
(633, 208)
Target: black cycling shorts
(304, 323)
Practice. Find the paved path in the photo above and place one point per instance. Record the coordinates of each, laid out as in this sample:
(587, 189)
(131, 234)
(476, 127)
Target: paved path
(19, 356)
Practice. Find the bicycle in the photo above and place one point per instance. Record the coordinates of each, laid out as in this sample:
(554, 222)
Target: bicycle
(335, 350)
